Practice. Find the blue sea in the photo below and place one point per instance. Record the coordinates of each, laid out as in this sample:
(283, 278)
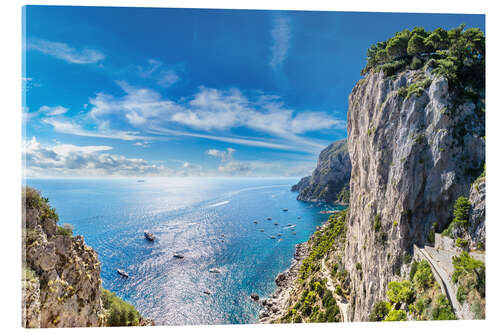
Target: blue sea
(210, 221)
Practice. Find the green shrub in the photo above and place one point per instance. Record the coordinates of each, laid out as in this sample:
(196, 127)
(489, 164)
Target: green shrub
(469, 273)
(418, 88)
(461, 294)
(442, 309)
(379, 311)
(460, 217)
(396, 315)
(423, 278)
(119, 312)
(66, 230)
(392, 68)
(416, 63)
(400, 292)
(413, 269)
(322, 242)
(421, 304)
(462, 243)
(407, 259)
(377, 224)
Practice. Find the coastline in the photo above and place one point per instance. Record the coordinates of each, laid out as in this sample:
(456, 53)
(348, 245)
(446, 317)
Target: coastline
(276, 304)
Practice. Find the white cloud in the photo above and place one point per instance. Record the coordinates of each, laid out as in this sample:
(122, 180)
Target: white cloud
(143, 144)
(155, 70)
(206, 112)
(235, 168)
(64, 52)
(52, 110)
(281, 35)
(71, 160)
(224, 155)
(68, 127)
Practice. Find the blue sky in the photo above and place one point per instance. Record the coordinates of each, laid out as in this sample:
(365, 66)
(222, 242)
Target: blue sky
(188, 92)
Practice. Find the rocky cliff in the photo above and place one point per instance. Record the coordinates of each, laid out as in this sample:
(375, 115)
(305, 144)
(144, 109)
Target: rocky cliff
(415, 147)
(331, 175)
(61, 274)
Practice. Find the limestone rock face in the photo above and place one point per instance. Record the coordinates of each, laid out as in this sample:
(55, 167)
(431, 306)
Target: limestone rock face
(331, 174)
(66, 289)
(477, 230)
(412, 155)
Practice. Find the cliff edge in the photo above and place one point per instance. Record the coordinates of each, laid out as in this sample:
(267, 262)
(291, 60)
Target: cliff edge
(61, 275)
(330, 178)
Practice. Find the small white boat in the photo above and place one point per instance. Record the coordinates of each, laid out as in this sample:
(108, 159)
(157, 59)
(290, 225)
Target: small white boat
(207, 292)
(149, 236)
(214, 270)
(122, 273)
(178, 256)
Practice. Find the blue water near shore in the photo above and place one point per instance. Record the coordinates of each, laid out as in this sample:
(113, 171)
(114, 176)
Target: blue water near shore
(188, 216)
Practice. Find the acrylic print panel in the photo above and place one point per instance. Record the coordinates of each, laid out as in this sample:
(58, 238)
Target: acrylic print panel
(195, 166)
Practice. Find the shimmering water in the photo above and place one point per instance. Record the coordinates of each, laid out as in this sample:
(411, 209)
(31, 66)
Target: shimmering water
(188, 216)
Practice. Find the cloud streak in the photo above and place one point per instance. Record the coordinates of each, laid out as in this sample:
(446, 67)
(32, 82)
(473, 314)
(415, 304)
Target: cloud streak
(281, 35)
(214, 110)
(65, 52)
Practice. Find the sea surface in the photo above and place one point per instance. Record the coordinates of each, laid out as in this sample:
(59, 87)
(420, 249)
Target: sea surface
(210, 221)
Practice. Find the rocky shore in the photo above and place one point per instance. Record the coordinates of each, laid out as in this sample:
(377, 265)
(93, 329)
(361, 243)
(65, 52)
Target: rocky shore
(275, 305)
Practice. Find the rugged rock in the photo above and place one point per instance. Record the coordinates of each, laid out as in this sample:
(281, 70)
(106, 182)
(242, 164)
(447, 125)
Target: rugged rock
(477, 230)
(412, 155)
(61, 274)
(66, 289)
(332, 173)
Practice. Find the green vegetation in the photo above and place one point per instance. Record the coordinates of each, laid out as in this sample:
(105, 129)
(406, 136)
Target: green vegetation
(33, 200)
(462, 243)
(344, 194)
(457, 54)
(119, 312)
(322, 242)
(460, 220)
(66, 230)
(442, 309)
(396, 315)
(470, 276)
(400, 292)
(419, 297)
(423, 278)
(377, 224)
(431, 237)
(379, 311)
(316, 304)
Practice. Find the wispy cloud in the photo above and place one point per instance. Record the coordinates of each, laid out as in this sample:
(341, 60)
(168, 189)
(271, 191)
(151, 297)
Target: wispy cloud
(213, 114)
(65, 52)
(68, 127)
(224, 155)
(281, 35)
(155, 70)
(52, 110)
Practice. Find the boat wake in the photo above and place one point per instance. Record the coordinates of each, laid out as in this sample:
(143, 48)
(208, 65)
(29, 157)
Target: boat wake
(222, 203)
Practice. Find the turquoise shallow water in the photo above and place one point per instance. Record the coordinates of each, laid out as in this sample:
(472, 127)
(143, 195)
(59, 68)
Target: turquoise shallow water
(188, 216)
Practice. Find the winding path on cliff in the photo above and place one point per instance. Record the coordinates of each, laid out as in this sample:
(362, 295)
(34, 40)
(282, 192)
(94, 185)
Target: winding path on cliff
(341, 301)
(442, 267)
